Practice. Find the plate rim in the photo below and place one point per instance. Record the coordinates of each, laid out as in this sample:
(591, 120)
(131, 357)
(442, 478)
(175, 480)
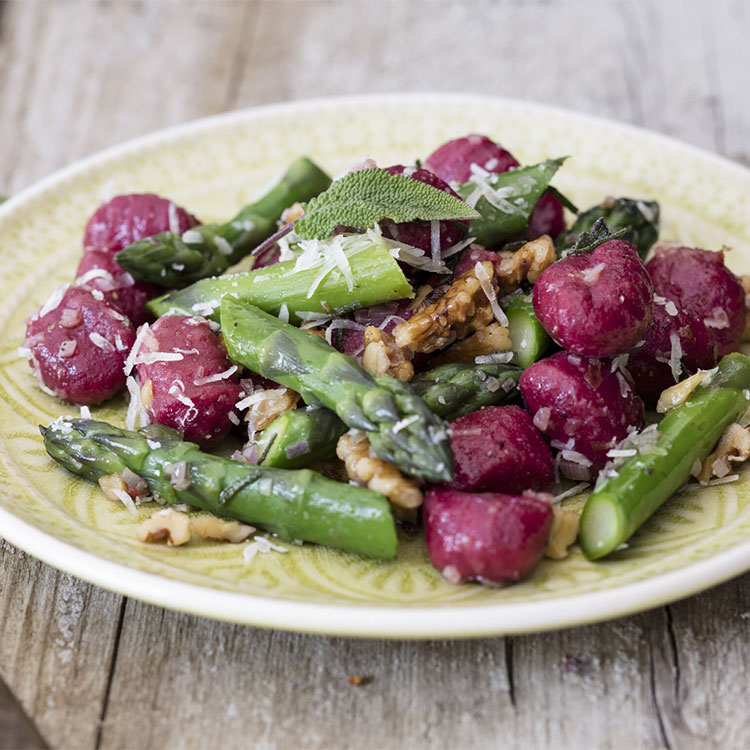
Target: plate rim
(412, 622)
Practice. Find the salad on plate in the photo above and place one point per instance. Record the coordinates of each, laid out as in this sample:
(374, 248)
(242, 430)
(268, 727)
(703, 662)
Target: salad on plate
(431, 344)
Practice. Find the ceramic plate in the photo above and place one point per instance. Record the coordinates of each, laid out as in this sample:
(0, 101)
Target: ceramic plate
(212, 167)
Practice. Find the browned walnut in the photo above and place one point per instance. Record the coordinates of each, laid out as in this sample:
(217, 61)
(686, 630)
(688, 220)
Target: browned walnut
(211, 527)
(463, 308)
(382, 356)
(562, 534)
(526, 263)
(493, 338)
(734, 446)
(354, 450)
(166, 524)
(272, 404)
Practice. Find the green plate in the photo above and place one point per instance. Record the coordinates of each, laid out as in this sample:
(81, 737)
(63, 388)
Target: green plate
(213, 166)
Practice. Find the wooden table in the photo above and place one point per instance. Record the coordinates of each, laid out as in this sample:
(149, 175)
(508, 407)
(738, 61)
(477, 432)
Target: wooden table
(93, 669)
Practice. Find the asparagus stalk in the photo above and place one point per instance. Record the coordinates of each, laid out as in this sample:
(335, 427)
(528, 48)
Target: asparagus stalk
(171, 260)
(400, 427)
(618, 507)
(293, 504)
(639, 219)
(376, 278)
(453, 390)
(528, 339)
(506, 201)
(300, 437)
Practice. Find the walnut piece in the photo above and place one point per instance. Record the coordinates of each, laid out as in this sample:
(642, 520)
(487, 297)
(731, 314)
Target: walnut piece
(166, 524)
(354, 450)
(734, 446)
(382, 356)
(111, 484)
(273, 403)
(294, 212)
(493, 338)
(463, 309)
(562, 534)
(526, 263)
(211, 527)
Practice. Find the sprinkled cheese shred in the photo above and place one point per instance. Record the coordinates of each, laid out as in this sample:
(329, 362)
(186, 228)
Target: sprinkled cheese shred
(173, 218)
(98, 340)
(53, 301)
(192, 237)
(222, 245)
(402, 424)
(216, 377)
(143, 332)
(675, 356)
(135, 405)
(260, 544)
(148, 358)
(126, 500)
(284, 313)
(575, 490)
(457, 248)
(342, 262)
(489, 290)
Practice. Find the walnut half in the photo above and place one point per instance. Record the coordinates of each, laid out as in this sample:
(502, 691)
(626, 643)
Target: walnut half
(734, 446)
(527, 263)
(166, 524)
(562, 534)
(354, 450)
(382, 356)
(462, 309)
(493, 338)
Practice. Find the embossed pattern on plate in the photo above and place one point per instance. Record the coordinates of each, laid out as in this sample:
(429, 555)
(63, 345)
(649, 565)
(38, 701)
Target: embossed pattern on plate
(214, 166)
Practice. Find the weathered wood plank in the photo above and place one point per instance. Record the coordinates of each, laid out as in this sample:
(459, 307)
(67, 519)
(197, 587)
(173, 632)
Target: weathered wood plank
(56, 644)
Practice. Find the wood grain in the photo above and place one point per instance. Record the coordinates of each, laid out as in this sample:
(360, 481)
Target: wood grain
(92, 669)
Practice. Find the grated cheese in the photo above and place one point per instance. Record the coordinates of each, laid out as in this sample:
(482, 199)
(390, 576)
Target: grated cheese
(263, 545)
(214, 378)
(98, 340)
(484, 279)
(53, 301)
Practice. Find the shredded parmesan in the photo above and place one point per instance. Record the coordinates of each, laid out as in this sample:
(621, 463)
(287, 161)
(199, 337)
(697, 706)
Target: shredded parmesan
(218, 376)
(484, 279)
(53, 301)
(260, 544)
(98, 340)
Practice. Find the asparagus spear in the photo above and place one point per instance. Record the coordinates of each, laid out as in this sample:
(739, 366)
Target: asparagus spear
(528, 338)
(294, 504)
(453, 390)
(639, 219)
(506, 201)
(376, 278)
(400, 427)
(618, 507)
(171, 260)
(299, 438)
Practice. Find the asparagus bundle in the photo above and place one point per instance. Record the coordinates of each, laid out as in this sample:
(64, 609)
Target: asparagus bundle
(400, 427)
(293, 504)
(375, 278)
(302, 436)
(172, 260)
(688, 433)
